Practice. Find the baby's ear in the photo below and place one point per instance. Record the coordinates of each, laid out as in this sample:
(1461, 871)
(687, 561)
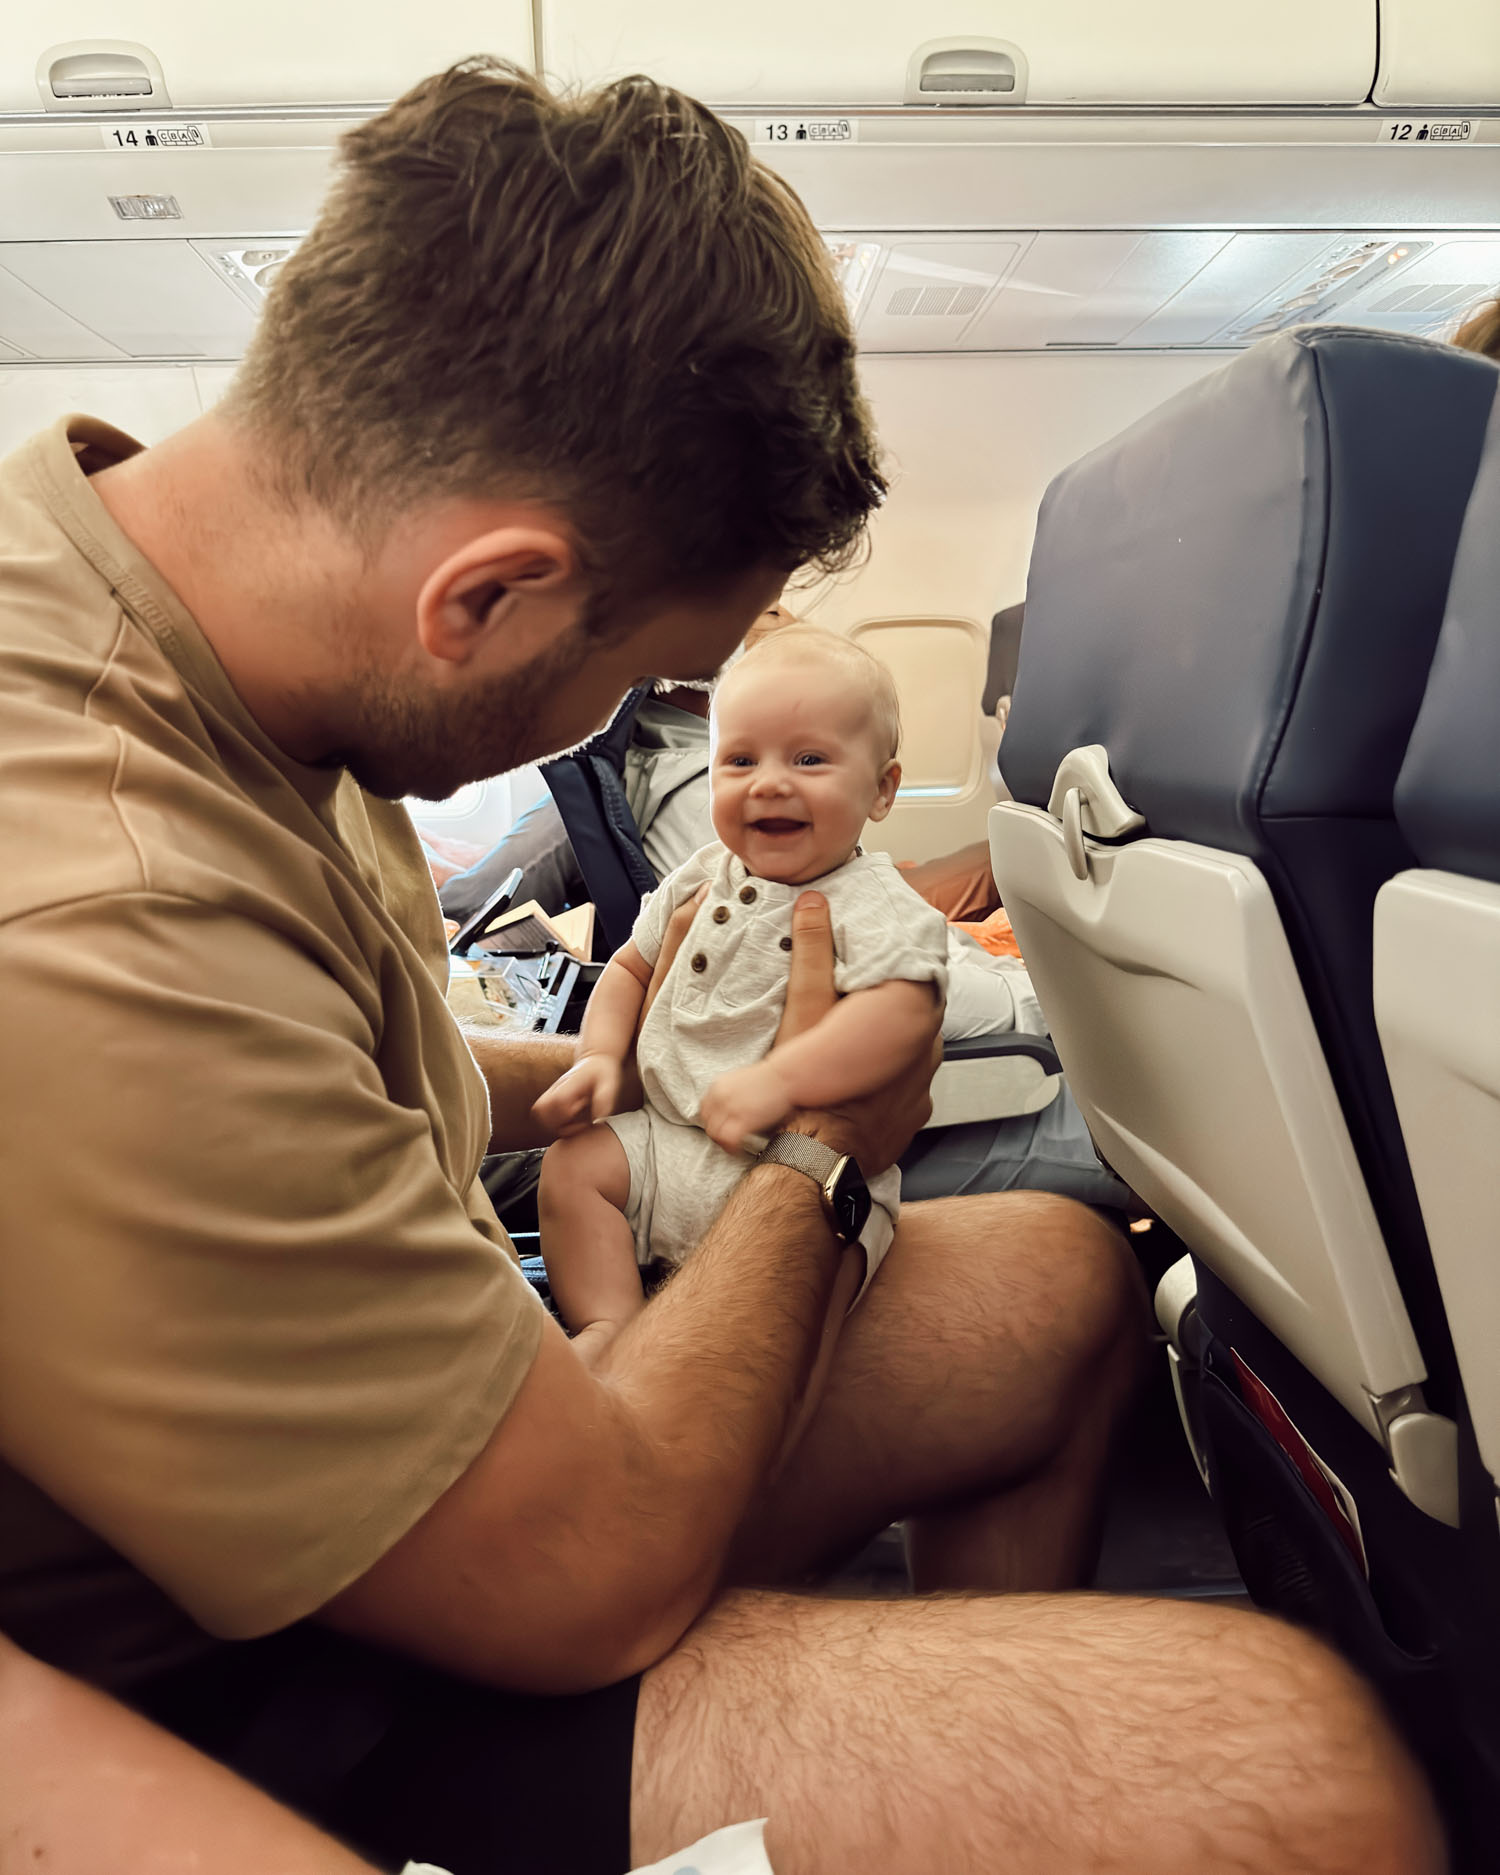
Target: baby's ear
(885, 790)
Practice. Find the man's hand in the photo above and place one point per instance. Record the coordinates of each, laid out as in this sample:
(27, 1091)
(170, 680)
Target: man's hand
(877, 1128)
(743, 1102)
(589, 1091)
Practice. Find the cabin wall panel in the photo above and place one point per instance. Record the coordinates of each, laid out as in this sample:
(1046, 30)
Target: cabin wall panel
(972, 443)
(146, 401)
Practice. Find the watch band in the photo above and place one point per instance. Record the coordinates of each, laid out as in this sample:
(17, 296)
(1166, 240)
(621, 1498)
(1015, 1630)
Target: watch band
(805, 1154)
(827, 1169)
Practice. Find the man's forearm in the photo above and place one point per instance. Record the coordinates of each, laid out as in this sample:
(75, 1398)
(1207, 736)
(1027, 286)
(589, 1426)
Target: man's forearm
(518, 1070)
(711, 1372)
(597, 1523)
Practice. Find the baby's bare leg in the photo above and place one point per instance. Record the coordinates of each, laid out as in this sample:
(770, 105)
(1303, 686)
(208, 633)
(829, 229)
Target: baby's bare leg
(587, 1244)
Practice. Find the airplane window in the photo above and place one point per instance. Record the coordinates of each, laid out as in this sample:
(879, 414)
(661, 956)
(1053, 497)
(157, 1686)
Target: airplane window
(456, 807)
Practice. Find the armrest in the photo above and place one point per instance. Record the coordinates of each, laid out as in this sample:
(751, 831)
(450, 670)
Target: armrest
(985, 1047)
(994, 1077)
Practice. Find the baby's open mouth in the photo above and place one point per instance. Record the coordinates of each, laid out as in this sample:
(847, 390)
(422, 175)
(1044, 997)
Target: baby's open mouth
(775, 826)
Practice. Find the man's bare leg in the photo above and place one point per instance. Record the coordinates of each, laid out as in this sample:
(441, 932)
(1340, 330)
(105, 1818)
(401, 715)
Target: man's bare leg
(1034, 1735)
(87, 1788)
(974, 1391)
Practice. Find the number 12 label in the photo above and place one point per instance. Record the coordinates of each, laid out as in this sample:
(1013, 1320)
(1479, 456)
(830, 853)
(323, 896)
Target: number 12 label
(1427, 130)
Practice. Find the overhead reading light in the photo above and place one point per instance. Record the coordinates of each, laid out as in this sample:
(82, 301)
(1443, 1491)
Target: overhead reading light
(1315, 298)
(252, 270)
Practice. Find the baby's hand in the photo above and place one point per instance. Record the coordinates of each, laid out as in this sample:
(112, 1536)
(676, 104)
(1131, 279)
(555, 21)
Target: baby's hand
(742, 1102)
(589, 1091)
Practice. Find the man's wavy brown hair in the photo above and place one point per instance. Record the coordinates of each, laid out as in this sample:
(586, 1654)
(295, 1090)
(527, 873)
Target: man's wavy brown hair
(602, 301)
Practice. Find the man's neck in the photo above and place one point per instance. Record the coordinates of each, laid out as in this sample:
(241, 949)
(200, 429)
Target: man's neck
(264, 585)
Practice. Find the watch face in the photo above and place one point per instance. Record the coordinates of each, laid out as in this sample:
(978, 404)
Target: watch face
(851, 1202)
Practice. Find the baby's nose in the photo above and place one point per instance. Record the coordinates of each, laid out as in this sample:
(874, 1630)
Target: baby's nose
(769, 779)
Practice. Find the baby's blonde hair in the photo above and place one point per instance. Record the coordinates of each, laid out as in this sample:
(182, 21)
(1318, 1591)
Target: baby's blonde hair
(804, 641)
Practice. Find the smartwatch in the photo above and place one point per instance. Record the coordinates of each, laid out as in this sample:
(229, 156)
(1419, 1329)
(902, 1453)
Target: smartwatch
(840, 1183)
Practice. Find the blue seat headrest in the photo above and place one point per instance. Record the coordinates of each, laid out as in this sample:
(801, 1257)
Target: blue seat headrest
(1240, 594)
(1448, 794)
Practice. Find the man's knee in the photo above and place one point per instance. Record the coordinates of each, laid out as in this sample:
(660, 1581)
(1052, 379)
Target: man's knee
(1348, 1796)
(1092, 1291)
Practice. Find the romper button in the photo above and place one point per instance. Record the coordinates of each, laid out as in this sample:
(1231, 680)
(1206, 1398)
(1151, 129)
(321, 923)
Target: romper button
(786, 943)
(721, 914)
(747, 894)
(700, 963)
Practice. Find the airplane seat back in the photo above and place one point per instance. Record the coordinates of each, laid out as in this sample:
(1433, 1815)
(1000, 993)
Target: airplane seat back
(941, 667)
(1231, 612)
(1437, 958)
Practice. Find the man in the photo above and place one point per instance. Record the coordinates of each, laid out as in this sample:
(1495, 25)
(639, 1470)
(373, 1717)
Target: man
(86, 1787)
(556, 394)
(666, 788)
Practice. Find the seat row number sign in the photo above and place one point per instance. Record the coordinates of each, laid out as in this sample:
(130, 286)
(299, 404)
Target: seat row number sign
(1426, 130)
(806, 130)
(155, 136)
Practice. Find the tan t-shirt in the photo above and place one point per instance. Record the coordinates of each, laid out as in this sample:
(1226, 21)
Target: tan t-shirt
(256, 1314)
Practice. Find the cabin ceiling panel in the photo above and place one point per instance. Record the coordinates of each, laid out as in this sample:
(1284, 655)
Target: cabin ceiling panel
(33, 327)
(1214, 289)
(143, 299)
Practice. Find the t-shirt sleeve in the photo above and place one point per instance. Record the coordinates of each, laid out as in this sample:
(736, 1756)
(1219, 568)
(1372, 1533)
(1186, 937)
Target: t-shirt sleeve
(886, 932)
(650, 928)
(248, 1331)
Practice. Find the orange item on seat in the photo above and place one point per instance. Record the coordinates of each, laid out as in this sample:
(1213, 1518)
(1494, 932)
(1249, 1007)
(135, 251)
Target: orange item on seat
(993, 934)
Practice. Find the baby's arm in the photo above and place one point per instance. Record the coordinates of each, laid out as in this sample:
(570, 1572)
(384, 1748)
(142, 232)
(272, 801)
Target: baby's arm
(856, 1048)
(590, 1090)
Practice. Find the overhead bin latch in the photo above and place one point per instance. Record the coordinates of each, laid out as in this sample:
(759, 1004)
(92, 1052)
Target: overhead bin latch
(101, 75)
(1086, 800)
(967, 71)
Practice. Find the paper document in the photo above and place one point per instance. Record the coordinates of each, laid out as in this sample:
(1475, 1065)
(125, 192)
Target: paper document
(738, 1850)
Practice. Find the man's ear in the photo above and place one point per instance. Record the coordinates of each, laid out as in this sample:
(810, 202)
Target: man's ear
(476, 588)
(885, 790)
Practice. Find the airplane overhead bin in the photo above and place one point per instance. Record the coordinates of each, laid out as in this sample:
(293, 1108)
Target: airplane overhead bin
(1001, 212)
(1439, 52)
(861, 52)
(92, 55)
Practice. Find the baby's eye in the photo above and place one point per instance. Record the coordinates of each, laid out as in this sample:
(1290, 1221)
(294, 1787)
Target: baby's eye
(810, 760)
(738, 761)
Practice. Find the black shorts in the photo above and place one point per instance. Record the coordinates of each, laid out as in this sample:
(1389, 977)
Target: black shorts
(404, 1762)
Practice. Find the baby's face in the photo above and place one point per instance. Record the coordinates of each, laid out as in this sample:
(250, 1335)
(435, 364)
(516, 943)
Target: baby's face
(795, 769)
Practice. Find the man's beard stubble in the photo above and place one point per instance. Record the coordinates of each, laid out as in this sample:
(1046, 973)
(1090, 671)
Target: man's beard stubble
(403, 743)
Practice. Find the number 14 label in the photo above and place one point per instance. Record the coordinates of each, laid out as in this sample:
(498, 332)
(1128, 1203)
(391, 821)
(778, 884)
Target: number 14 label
(155, 136)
